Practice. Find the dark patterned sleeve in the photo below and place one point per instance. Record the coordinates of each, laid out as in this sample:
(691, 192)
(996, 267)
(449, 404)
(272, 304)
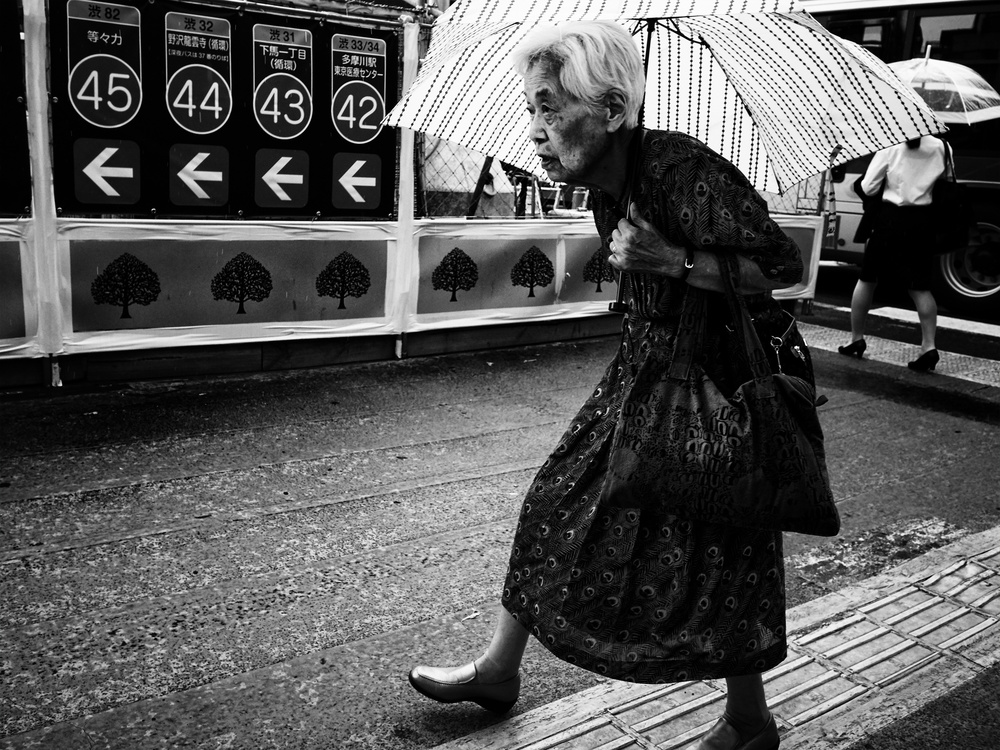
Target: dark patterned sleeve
(716, 208)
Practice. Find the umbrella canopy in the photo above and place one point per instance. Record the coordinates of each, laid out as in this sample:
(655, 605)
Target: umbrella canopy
(768, 88)
(955, 93)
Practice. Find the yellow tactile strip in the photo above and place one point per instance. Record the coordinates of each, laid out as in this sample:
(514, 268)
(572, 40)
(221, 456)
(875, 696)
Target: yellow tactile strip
(858, 659)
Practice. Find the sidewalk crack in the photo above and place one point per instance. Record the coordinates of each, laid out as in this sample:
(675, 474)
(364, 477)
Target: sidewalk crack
(640, 740)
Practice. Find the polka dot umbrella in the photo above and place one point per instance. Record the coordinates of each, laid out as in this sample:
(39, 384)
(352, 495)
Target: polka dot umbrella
(764, 85)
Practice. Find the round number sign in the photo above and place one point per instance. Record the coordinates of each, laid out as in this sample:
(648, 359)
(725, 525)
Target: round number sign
(105, 91)
(199, 99)
(357, 110)
(282, 106)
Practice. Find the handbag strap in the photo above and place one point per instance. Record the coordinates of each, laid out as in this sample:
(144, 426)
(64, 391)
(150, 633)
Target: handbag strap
(692, 323)
(949, 164)
(729, 268)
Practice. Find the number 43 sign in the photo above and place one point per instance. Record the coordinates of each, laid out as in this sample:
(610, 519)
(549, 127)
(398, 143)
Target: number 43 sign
(282, 72)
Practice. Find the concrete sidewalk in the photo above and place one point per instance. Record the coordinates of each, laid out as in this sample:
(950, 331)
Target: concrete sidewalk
(859, 659)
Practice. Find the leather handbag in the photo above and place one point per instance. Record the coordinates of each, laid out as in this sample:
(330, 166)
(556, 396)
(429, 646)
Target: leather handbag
(754, 459)
(870, 207)
(953, 215)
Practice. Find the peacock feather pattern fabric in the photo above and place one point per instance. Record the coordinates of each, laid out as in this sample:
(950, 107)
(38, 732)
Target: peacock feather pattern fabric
(633, 593)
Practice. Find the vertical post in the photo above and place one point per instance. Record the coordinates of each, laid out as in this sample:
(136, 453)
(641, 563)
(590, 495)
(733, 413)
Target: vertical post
(42, 236)
(403, 303)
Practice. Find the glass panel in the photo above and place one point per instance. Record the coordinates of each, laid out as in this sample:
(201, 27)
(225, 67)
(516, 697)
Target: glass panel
(877, 34)
(972, 39)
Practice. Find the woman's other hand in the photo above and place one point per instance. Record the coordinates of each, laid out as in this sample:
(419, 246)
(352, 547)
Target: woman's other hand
(637, 246)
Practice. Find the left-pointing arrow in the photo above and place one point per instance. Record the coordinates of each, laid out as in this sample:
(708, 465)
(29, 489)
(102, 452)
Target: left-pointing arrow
(97, 172)
(273, 178)
(190, 175)
(351, 181)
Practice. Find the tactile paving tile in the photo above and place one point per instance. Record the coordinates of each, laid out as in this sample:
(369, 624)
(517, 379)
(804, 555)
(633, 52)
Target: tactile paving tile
(948, 619)
(964, 367)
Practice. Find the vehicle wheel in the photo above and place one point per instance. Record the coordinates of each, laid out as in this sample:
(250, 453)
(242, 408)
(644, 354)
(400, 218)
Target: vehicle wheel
(967, 281)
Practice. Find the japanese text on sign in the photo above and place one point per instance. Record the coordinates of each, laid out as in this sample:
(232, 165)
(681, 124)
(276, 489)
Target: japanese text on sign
(105, 62)
(357, 87)
(282, 80)
(199, 87)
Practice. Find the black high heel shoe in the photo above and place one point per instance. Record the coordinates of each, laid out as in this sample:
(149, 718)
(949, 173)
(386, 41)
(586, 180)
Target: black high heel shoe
(854, 349)
(925, 361)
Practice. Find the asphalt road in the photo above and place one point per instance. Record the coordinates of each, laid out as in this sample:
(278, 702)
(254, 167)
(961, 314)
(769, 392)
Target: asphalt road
(255, 562)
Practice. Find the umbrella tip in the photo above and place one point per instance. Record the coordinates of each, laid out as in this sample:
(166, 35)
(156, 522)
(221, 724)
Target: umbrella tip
(927, 54)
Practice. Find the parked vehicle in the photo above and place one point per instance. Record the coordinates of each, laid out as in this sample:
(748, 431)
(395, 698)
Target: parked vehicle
(963, 31)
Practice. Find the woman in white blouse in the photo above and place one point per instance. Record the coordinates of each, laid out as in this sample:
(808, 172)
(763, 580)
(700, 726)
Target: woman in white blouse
(901, 246)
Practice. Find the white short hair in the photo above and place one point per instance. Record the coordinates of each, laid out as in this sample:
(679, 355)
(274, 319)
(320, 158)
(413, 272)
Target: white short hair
(591, 60)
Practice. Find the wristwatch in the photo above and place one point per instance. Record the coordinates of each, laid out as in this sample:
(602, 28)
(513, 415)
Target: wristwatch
(688, 264)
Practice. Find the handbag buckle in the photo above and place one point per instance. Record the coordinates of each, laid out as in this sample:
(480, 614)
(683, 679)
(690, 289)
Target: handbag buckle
(776, 342)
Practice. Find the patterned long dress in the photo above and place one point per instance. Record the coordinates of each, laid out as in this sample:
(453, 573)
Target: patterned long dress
(634, 593)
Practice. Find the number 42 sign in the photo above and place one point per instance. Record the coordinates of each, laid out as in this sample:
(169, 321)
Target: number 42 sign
(357, 87)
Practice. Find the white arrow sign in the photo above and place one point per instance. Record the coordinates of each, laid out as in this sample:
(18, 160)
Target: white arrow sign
(352, 182)
(190, 175)
(274, 179)
(97, 172)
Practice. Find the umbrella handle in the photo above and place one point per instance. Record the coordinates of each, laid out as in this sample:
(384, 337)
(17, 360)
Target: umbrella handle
(619, 305)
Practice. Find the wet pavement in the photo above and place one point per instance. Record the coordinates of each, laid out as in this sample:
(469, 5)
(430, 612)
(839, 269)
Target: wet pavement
(256, 561)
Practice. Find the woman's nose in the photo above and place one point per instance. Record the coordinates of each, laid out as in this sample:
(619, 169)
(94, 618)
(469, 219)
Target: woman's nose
(535, 130)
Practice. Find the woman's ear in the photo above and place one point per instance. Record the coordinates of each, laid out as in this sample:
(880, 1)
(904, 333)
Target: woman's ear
(616, 110)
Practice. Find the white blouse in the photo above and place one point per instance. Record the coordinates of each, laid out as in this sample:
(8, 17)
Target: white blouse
(909, 173)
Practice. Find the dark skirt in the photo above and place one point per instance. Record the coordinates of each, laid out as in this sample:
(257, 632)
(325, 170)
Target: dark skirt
(900, 251)
(637, 594)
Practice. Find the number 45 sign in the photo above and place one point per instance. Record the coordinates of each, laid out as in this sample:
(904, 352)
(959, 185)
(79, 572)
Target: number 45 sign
(105, 62)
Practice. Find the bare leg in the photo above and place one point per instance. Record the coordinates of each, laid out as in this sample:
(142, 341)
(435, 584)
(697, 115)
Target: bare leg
(503, 658)
(493, 680)
(927, 313)
(746, 704)
(861, 303)
(747, 721)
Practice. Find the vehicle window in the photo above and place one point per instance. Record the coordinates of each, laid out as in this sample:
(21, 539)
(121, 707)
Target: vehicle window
(972, 39)
(877, 34)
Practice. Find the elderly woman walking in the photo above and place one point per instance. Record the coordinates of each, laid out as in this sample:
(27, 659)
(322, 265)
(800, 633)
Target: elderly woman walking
(611, 585)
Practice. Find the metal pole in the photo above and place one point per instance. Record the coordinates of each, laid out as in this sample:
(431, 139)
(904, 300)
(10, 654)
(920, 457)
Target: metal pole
(619, 305)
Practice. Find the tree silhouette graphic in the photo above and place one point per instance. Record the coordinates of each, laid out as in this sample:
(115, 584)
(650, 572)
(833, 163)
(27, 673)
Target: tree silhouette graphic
(126, 281)
(533, 269)
(455, 271)
(344, 276)
(598, 269)
(241, 279)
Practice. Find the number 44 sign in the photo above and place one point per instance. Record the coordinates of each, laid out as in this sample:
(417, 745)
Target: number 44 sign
(199, 67)
(357, 87)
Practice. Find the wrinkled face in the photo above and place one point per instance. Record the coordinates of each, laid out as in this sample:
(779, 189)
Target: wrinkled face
(569, 138)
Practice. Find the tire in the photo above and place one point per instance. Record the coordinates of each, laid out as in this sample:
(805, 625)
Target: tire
(967, 281)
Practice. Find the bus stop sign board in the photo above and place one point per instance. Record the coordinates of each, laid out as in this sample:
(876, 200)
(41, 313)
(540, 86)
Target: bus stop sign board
(225, 109)
(15, 187)
(199, 71)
